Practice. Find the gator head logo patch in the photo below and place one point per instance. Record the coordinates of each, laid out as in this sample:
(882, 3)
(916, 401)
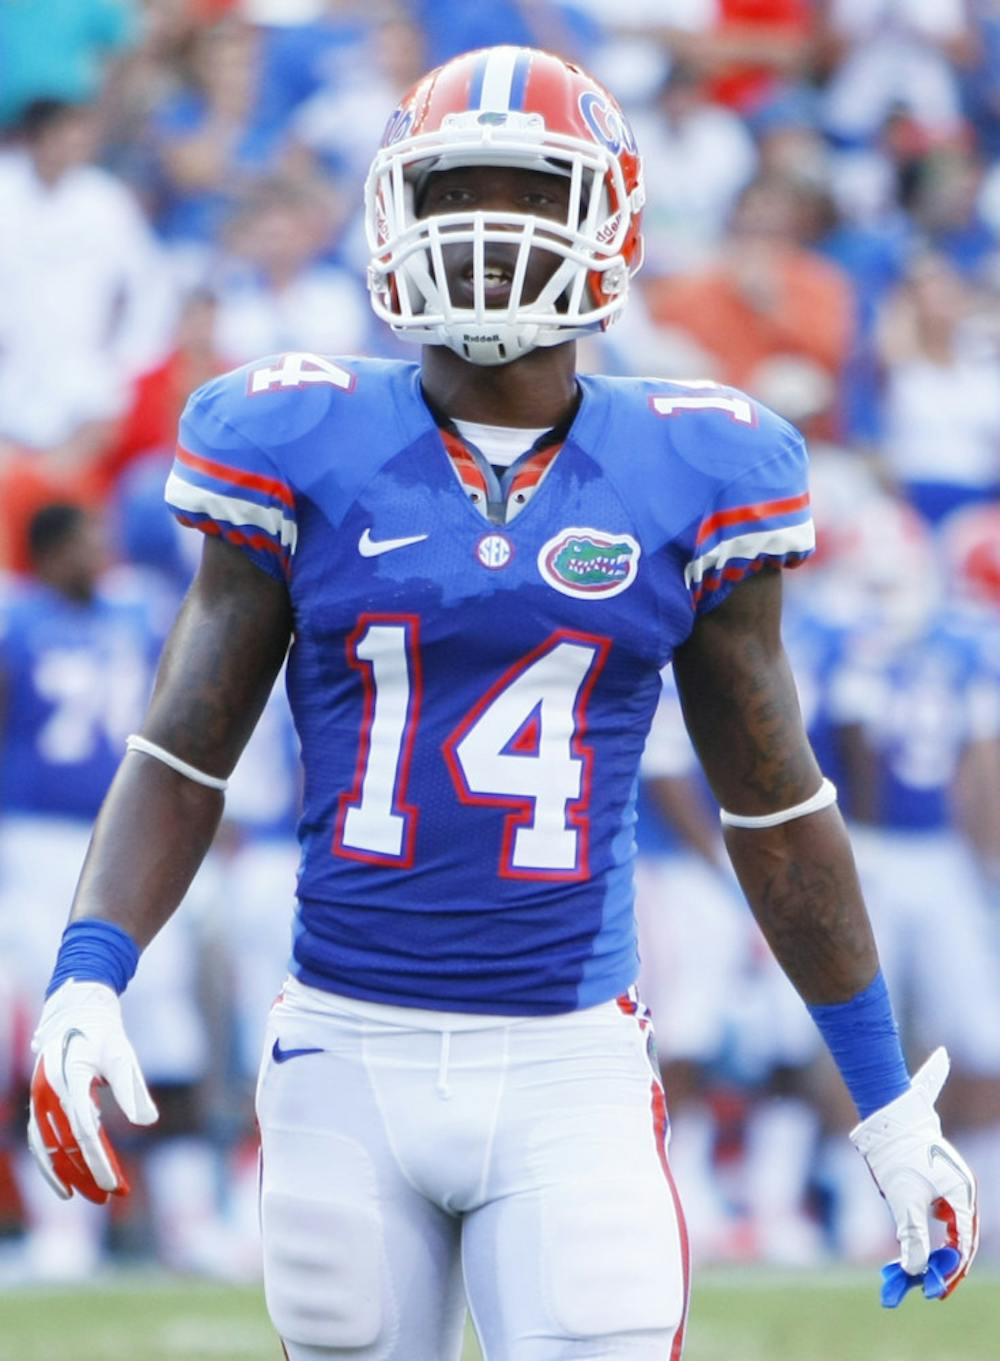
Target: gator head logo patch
(588, 563)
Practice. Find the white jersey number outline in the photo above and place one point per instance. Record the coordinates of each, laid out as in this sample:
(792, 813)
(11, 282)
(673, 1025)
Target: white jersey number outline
(520, 747)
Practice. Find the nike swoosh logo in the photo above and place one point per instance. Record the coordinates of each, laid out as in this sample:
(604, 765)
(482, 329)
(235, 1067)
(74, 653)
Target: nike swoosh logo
(283, 1055)
(937, 1153)
(371, 548)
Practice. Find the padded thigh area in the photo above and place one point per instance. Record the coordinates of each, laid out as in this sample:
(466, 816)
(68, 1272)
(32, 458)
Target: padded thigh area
(322, 1267)
(608, 1249)
(579, 1251)
(357, 1263)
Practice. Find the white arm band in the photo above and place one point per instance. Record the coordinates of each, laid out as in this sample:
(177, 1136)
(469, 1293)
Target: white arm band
(824, 796)
(136, 743)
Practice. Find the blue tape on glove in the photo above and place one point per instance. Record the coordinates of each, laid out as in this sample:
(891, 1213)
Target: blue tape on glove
(896, 1283)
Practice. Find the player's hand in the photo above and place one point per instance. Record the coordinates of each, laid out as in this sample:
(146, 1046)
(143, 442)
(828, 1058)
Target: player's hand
(81, 1043)
(922, 1178)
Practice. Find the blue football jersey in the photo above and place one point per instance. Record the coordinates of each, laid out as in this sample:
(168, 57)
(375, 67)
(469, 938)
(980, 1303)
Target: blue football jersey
(668, 753)
(815, 644)
(77, 678)
(264, 797)
(472, 678)
(921, 703)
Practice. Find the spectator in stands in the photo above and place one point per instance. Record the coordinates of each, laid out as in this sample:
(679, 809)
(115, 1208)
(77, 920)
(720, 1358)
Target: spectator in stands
(85, 300)
(87, 304)
(945, 208)
(275, 290)
(890, 53)
(211, 139)
(146, 78)
(149, 424)
(559, 25)
(338, 128)
(745, 49)
(980, 88)
(767, 299)
(698, 156)
(309, 45)
(941, 391)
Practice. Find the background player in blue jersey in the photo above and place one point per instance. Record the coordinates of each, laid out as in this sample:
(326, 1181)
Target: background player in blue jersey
(482, 563)
(693, 937)
(76, 659)
(77, 656)
(915, 703)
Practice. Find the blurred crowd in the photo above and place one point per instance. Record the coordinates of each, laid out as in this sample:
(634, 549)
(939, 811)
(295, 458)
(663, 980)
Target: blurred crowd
(180, 191)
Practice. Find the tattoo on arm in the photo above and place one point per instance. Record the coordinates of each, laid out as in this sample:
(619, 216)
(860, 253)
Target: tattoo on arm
(802, 885)
(741, 706)
(218, 668)
(742, 712)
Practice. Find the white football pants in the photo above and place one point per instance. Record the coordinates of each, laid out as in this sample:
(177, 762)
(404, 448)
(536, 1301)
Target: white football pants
(413, 1160)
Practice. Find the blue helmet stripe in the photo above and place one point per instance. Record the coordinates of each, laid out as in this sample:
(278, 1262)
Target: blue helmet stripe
(519, 83)
(476, 85)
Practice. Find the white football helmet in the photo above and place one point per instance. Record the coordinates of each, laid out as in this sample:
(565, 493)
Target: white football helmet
(517, 107)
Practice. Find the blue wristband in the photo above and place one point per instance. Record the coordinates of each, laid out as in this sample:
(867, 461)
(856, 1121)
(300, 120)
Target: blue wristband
(95, 951)
(863, 1038)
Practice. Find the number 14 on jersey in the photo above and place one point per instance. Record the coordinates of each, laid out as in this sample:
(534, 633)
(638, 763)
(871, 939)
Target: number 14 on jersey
(520, 747)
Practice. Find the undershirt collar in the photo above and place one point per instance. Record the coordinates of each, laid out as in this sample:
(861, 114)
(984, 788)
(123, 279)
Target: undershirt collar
(500, 467)
(501, 444)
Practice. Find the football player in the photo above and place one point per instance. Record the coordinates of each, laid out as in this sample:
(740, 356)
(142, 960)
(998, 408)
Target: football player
(76, 664)
(694, 944)
(915, 698)
(481, 562)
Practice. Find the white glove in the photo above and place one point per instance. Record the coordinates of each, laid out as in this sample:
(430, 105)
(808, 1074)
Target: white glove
(921, 1175)
(80, 1043)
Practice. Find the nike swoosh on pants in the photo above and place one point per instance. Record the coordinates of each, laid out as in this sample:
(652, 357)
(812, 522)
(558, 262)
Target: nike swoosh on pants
(283, 1055)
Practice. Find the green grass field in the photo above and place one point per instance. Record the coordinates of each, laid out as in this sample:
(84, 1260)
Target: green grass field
(747, 1315)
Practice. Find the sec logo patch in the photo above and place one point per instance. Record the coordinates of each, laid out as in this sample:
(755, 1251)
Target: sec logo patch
(589, 563)
(494, 551)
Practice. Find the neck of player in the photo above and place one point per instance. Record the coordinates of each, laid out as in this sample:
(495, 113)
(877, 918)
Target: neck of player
(538, 390)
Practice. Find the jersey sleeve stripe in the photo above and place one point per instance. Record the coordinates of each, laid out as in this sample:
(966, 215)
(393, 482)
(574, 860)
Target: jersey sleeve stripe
(232, 510)
(770, 543)
(270, 486)
(737, 515)
(259, 542)
(714, 581)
